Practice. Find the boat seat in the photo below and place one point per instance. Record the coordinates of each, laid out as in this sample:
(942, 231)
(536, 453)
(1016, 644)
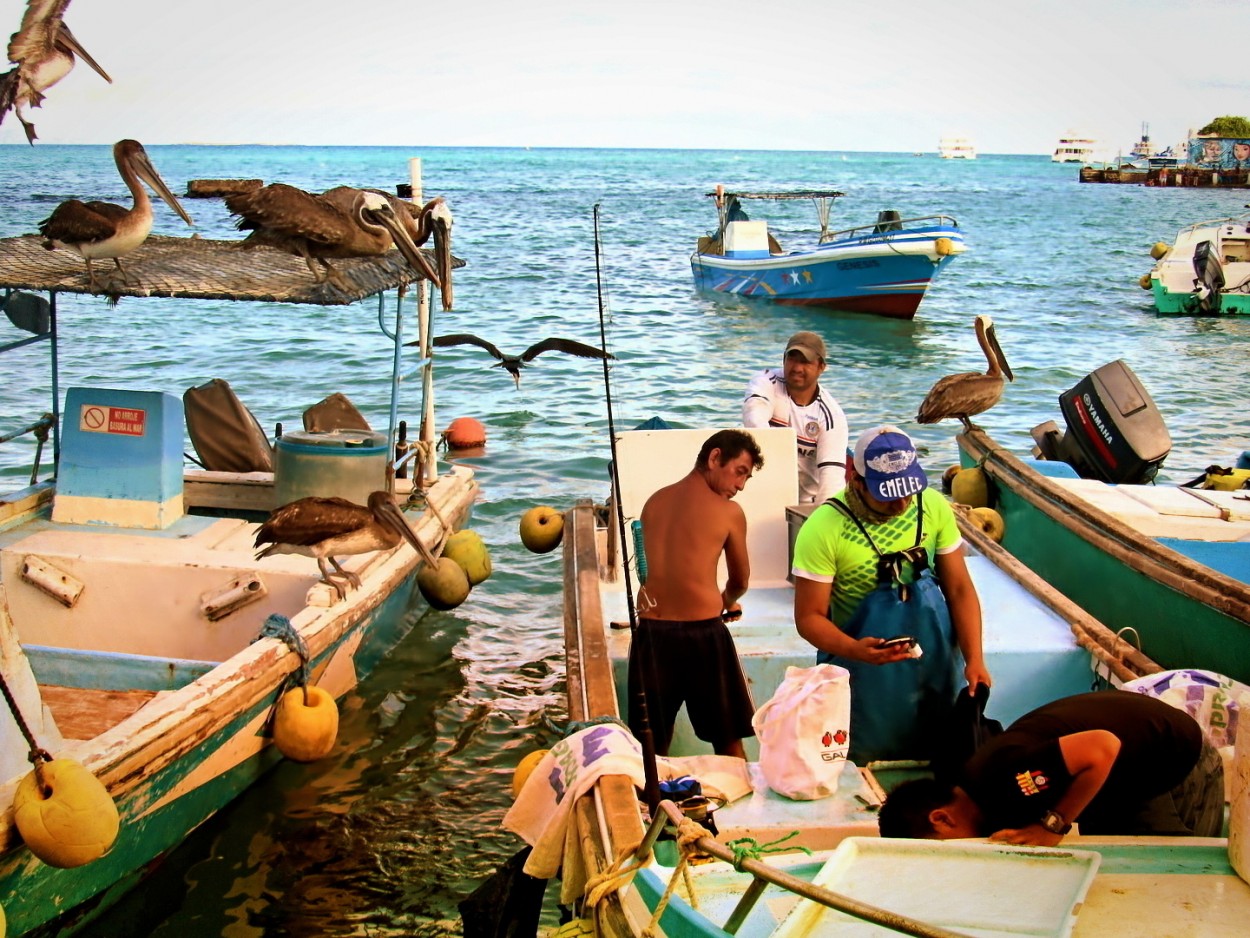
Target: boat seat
(226, 435)
(335, 412)
(888, 220)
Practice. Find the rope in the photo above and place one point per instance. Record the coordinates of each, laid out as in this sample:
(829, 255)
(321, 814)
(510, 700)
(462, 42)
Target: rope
(576, 726)
(278, 626)
(747, 848)
(37, 755)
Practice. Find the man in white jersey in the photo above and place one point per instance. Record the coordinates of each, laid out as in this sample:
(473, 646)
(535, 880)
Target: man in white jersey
(791, 396)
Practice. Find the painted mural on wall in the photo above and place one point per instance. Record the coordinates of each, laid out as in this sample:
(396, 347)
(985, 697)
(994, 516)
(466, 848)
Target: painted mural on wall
(1219, 153)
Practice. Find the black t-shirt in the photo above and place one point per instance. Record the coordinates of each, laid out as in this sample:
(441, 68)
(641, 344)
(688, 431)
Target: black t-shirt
(1020, 774)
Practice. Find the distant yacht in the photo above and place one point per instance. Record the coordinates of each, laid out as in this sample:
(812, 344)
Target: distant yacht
(1143, 149)
(956, 148)
(1074, 149)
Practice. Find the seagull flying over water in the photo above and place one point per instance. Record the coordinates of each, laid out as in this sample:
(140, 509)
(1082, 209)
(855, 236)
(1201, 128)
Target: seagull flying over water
(514, 363)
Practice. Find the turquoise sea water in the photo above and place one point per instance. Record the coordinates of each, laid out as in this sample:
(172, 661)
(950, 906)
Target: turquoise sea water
(402, 821)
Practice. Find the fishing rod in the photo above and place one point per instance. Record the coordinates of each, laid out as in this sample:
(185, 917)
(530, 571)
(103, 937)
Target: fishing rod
(650, 770)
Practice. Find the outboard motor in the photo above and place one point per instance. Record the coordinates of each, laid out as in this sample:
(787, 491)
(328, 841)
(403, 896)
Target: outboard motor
(888, 220)
(1210, 278)
(1115, 432)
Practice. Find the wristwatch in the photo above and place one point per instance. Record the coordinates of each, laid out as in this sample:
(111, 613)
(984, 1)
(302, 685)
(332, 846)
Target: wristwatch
(1054, 822)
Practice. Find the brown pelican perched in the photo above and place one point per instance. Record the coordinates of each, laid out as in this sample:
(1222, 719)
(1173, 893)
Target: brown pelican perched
(102, 229)
(433, 218)
(970, 393)
(325, 527)
(514, 363)
(42, 51)
(342, 222)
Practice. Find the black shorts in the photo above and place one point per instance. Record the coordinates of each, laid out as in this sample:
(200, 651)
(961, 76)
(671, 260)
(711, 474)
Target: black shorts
(694, 663)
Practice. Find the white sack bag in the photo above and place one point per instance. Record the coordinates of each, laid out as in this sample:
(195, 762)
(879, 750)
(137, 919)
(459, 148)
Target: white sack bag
(804, 732)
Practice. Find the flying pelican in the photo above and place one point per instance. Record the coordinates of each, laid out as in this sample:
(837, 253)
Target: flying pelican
(324, 527)
(514, 363)
(342, 222)
(102, 229)
(970, 393)
(42, 51)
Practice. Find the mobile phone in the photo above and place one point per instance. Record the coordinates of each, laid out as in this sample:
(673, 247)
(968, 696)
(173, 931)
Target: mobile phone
(897, 640)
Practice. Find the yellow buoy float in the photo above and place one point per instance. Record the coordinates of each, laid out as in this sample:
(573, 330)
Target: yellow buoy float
(971, 487)
(989, 521)
(525, 768)
(444, 583)
(949, 476)
(306, 723)
(542, 529)
(1159, 248)
(943, 247)
(72, 822)
(1144, 281)
(469, 550)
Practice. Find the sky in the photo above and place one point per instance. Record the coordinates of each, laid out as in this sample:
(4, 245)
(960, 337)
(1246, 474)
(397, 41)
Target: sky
(875, 75)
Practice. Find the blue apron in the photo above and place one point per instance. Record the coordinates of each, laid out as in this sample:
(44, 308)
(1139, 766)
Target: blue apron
(897, 710)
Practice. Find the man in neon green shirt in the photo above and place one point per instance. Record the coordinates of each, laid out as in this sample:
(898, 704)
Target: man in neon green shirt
(864, 567)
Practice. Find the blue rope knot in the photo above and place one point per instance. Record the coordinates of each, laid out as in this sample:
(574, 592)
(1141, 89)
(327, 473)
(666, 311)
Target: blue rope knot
(576, 726)
(279, 626)
(748, 848)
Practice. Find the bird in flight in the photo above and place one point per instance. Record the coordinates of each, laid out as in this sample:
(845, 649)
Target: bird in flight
(514, 363)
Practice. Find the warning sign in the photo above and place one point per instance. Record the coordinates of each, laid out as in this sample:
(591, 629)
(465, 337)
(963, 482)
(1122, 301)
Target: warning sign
(100, 418)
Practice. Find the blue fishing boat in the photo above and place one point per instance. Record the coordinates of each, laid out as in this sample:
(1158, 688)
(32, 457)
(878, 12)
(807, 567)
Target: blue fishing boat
(143, 638)
(883, 268)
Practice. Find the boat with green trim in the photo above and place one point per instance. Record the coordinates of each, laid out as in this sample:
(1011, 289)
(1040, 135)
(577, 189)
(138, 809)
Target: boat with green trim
(753, 876)
(1205, 271)
(141, 637)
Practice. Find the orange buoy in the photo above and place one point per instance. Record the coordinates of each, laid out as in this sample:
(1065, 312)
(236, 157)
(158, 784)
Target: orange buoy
(465, 433)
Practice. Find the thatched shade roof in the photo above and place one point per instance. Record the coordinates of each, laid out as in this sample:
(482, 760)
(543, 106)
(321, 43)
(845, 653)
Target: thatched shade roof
(197, 268)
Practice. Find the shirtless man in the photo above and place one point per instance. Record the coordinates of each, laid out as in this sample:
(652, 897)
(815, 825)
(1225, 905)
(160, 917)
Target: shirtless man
(682, 652)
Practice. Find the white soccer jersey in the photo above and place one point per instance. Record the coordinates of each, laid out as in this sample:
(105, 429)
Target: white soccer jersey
(820, 428)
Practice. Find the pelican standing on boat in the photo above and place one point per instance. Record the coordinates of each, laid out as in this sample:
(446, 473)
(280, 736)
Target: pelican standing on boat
(42, 52)
(340, 223)
(970, 393)
(322, 528)
(103, 229)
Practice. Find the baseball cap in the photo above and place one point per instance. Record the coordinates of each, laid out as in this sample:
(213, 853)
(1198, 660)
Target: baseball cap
(809, 344)
(886, 457)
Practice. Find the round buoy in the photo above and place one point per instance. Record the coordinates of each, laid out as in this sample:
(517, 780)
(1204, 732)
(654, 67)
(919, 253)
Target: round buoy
(944, 247)
(467, 549)
(1159, 249)
(465, 433)
(444, 584)
(989, 521)
(971, 487)
(542, 529)
(304, 729)
(525, 768)
(948, 476)
(74, 823)
(1144, 281)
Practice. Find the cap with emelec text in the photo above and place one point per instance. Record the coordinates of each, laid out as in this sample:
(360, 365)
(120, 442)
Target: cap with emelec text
(886, 458)
(808, 344)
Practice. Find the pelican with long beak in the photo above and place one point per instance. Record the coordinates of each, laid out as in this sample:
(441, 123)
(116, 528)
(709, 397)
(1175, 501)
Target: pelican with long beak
(342, 222)
(102, 229)
(970, 393)
(323, 528)
(43, 52)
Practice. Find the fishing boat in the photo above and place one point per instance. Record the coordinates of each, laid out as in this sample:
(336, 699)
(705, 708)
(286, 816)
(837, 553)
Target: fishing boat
(1205, 271)
(883, 268)
(956, 148)
(752, 877)
(142, 638)
(1170, 561)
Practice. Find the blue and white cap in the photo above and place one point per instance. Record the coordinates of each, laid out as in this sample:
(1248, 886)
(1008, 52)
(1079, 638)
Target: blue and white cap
(886, 457)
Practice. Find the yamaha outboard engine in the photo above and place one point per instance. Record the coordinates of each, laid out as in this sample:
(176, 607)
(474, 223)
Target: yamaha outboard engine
(1115, 432)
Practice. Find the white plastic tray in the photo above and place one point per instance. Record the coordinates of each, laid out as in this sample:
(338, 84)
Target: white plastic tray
(974, 888)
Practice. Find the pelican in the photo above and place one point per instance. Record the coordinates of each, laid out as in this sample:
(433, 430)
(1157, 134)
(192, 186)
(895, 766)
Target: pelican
(970, 393)
(322, 528)
(42, 51)
(342, 222)
(433, 218)
(514, 363)
(102, 229)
